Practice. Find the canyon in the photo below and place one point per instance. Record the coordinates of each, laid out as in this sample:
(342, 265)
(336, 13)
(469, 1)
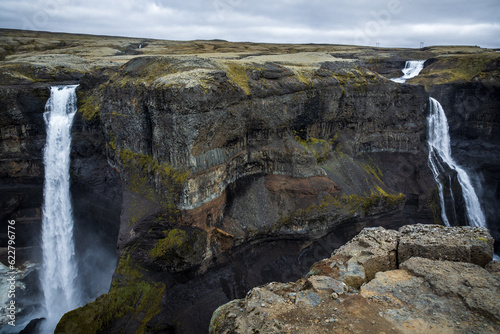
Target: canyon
(200, 170)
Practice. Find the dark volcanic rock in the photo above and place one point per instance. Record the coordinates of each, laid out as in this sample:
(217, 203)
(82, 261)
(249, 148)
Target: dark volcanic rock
(227, 153)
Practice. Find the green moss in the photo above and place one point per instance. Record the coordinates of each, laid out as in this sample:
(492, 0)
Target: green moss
(89, 106)
(174, 239)
(320, 148)
(143, 173)
(435, 205)
(132, 301)
(180, 249)
(346, 206)
(238, 73)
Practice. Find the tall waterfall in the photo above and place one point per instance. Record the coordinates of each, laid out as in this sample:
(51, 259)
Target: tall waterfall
(411, 70)
(59, 270)
(440, 156)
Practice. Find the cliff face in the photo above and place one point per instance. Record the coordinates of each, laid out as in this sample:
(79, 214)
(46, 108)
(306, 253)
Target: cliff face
(200, 125)
(216, 154)
(420, 278)
(467, 86)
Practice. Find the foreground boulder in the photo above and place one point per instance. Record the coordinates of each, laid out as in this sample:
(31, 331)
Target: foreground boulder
(382, 281)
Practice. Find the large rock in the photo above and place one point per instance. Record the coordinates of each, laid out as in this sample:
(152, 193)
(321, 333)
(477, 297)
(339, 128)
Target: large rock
(358, 261)
(475, 286)
(462, 244)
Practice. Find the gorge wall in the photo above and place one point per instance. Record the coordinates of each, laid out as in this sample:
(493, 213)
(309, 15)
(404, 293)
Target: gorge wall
(218, 154)
(212, 169)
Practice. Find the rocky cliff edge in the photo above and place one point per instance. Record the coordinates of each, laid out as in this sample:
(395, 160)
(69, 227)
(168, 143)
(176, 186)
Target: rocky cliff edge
(422, 278)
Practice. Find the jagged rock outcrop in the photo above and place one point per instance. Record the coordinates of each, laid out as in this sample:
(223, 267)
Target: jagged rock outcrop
(426, 292)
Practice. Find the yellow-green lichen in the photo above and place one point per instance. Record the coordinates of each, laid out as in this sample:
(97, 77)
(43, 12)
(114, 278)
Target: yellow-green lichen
(320, 148)
(173, 239)
(304, 75)
(373, 171)
(112, 142)
(88, 106)
(157, 182)
(346, 206)
(238, 73)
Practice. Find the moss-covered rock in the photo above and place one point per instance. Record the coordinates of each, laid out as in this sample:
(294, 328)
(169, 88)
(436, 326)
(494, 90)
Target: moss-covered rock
(179, 249)
(131, 303)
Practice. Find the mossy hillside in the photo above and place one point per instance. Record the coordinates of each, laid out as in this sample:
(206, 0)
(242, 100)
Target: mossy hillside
(173, 239)
(20, 72)
(156, 181)
(356, 79)
(132, 301)
(145, 71)
(457, 68)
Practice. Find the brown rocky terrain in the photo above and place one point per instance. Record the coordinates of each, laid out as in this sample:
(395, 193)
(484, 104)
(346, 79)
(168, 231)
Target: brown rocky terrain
(215, 167)
(422, 278)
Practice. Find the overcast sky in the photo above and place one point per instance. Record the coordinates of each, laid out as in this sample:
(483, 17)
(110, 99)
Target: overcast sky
(403, 23)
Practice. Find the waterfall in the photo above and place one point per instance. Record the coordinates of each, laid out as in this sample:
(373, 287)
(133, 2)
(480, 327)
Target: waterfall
(411, 70)
(440, 156)
(59, 269)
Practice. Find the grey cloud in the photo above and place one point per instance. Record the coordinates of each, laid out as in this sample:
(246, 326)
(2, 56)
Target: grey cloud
(388, 22)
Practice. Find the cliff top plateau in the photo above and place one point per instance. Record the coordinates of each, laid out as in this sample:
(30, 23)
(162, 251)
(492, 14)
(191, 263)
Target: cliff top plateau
(29, 56)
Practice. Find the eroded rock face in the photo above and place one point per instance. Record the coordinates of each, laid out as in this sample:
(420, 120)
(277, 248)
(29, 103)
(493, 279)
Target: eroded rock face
(227, 153)
(215, 124)
(213, 153)
(420, 294)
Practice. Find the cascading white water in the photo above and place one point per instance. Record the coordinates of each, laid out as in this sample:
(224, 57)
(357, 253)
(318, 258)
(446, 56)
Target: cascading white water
(440, 152)
(411, 70)
(59, 270)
